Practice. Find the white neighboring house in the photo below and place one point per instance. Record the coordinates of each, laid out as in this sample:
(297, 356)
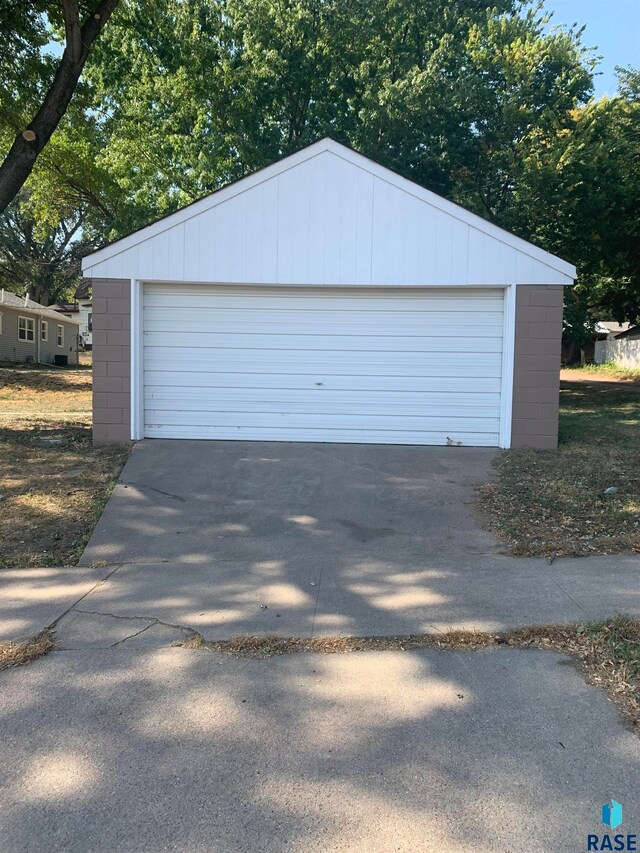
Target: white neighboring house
(609, 329)
(86, 325)
(622, 344)
(82, 311)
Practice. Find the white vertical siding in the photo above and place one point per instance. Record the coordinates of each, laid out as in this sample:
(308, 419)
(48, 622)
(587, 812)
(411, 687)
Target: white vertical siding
(332, 218)
(266, 236)
(175, 239)
(363, 247)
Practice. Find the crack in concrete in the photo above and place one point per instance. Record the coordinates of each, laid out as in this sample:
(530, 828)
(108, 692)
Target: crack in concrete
(131, 636)
(315, 609)
(183, 632)
(153, 489)
(152, 620)
(87, 593)
(569, 596)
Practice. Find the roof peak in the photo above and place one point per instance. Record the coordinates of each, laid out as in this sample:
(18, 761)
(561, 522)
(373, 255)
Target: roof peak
(327, 145)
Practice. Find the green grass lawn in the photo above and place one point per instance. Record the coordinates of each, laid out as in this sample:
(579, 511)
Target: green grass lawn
(548, 502)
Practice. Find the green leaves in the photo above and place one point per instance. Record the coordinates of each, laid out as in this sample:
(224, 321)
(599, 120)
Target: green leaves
(484, 104)
(584, 186)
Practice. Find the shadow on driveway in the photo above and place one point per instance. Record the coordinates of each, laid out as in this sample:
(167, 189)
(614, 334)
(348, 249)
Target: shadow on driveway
(298, 540)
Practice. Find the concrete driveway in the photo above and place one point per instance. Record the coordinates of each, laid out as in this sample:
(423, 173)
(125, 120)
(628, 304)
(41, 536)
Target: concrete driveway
(217, 501)
(118, 742)
(240, 537)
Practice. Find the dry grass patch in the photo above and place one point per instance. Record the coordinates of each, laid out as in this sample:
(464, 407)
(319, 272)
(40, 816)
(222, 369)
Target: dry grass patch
(548, 502)
(53, 482)
(21, 653)
(44, 395)
(607, 652)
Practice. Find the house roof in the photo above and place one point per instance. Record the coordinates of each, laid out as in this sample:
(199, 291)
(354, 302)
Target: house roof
(630, 332)
(113, 260)
(66, 308)
(611, 327)
(30, 307)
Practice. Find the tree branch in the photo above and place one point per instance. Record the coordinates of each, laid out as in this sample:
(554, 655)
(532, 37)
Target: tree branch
(28, 144)
(72, 27)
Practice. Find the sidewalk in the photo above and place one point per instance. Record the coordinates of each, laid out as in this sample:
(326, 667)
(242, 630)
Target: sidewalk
(438, 751)
(312, 597)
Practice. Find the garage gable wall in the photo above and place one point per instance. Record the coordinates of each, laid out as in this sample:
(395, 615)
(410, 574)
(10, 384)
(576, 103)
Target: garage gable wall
(327, 216)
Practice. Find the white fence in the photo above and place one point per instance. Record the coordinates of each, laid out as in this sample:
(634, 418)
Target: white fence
(625, 352)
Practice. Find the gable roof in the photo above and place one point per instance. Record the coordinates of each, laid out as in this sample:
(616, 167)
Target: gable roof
(611, 327)
(300, 174)
(630, 332)
(10, 300)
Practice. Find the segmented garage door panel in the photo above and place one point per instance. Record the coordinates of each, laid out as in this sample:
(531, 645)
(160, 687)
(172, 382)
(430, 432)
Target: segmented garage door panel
(287, 364)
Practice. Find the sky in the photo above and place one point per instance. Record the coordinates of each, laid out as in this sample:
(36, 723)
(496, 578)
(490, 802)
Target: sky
(613, 26)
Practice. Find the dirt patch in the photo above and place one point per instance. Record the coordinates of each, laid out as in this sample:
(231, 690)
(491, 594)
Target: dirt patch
(603, 382)
(53, 482)
(582, 499)
(607, 652)
(608, 372)
(21, 653)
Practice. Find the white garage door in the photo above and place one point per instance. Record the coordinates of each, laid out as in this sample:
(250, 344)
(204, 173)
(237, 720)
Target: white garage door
(315, 364)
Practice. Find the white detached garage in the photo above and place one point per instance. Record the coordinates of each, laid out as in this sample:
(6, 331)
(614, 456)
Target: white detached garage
(323, 298)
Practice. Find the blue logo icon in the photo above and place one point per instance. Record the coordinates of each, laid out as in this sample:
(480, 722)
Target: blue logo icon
(612, 814)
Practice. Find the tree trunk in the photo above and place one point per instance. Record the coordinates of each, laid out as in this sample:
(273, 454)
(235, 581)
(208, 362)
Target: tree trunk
(28, 144)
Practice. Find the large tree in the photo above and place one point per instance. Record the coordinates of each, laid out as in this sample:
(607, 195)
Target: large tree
(579, 196)
(485, 104)
(450, 94)
(39, 260)
(32, 104)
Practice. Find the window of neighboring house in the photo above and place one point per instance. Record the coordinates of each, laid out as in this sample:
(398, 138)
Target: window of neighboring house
(26, 329)
(60, 336)
(90, 322)
(44, 330)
